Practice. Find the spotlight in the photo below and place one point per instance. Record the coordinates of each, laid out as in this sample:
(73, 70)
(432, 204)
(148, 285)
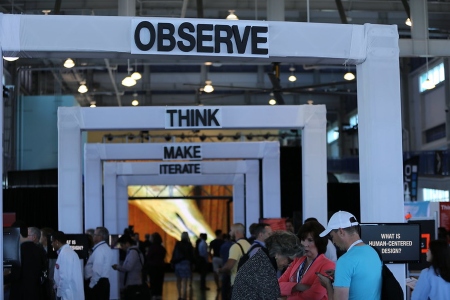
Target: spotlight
(109, 137)
(168, 137)
(130, 137)
(220, 137)
(249, 137)
(182, 136)
(203, 137)
(237, 136)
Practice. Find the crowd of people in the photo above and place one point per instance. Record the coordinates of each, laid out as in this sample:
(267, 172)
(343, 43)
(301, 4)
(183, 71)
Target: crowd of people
(279, 265)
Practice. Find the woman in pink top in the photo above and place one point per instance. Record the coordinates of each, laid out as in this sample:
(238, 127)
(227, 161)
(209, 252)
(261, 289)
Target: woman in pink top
(300, 281)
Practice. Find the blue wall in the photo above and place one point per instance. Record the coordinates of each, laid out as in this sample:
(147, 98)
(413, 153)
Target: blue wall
(37, 132)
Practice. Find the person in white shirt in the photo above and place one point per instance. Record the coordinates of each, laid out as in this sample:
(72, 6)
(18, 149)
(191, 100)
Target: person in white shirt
(68, 275)
(97, 269)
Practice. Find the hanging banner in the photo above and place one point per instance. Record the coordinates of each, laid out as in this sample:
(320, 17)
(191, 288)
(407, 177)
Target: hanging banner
(410, 176)
(444, 215)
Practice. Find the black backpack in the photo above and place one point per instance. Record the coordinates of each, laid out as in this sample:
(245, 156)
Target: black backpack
(245, 257)
(390, 288)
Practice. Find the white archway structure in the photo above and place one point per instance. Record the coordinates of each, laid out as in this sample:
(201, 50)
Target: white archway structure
(118, 176)
(373, 48)
(267, 152)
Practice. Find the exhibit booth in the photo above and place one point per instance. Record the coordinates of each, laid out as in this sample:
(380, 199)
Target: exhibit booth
(372, 48)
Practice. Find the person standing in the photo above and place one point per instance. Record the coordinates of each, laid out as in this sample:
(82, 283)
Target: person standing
(26, 279)
(182, 261)
(68, 274)
(358, 271)
(97, 269)
(214, 252)
(434, 282)
(203, 261)
(156, 265)
(34, 235)
(237, 250)
(132, 267)
(262, 232)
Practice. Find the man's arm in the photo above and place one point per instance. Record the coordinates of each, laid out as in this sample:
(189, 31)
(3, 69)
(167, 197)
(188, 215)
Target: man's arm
(340, 293)
(228, 266)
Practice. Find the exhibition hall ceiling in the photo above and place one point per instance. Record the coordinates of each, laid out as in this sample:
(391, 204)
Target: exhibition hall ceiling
(172, 83)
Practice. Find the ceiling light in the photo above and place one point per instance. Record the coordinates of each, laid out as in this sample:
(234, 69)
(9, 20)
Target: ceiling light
(208, 87)
(83, 88)
(10, 58)
(232, 16)
(135, 102)
(292, 78)
(310, 102)
(428, 84)
(46, 11)
(136, 75)
(69, 63)
(408, 22)
(349, 76)
(93, 104)
(208, 63)
(128, 81)
(272, 101)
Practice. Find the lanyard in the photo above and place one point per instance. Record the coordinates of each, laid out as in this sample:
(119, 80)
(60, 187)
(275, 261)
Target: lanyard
(96, 246)
(356, 242)
(301, 270)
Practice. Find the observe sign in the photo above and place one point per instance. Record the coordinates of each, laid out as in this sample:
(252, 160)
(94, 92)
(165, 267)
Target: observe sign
(396, 242)
(194, 37)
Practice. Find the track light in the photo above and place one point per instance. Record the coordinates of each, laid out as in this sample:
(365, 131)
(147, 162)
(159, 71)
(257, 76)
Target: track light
(208, 87)
(232, 16)
(83, 88)
(69, 63)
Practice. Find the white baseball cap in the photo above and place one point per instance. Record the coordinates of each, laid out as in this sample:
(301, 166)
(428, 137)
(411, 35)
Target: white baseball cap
(341, 219)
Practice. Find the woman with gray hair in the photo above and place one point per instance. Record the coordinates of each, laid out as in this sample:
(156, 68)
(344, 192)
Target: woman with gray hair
(284, 246)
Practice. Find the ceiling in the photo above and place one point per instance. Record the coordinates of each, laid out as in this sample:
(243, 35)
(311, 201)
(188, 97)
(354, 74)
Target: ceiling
(169, 83)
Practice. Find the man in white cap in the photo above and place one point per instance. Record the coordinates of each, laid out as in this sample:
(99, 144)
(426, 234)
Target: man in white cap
(358, 271)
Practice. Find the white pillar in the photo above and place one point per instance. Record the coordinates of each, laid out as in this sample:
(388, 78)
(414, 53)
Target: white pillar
(314, 164)
(70, 204)
(127, 8)
(380, 132)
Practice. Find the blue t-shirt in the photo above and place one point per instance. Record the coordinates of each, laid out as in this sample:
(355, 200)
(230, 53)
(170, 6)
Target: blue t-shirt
(360, 270)
(430, 286)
